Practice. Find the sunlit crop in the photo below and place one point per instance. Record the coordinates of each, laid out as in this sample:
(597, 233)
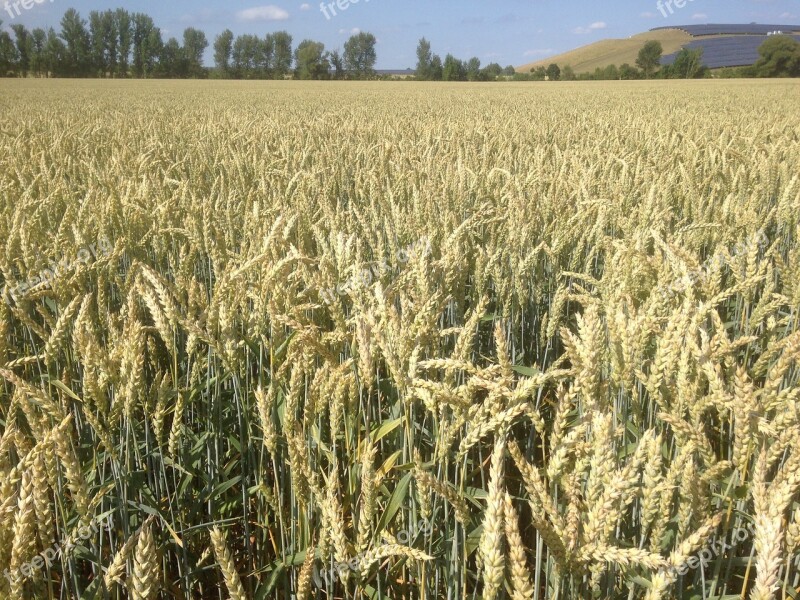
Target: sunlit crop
(398, 340)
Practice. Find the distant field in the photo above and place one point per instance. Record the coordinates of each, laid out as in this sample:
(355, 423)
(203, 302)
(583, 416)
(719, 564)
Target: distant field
(405, 341)
(612, 52)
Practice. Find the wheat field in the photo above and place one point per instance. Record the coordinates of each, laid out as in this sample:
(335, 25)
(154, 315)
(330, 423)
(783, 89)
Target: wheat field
(396, 340)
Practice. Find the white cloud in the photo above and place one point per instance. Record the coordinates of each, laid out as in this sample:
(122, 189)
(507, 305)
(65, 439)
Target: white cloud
(539, 52)
(353, 31)
(305, 6)
(593, 27)
(699, 16)
(648, 15)
(263, 13)
(788, 15)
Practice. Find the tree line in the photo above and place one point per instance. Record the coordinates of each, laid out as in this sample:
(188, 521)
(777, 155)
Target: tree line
(112, 43)
(271, 57)
(118, 43)
(430, 67)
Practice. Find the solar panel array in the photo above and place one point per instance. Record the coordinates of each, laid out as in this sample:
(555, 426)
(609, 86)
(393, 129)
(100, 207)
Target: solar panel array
(737, 51)
(734, 29)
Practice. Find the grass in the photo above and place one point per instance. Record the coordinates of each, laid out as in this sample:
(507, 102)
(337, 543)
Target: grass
(586, 381)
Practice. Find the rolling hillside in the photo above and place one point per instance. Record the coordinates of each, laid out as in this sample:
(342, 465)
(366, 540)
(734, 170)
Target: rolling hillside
(612, 51)
(723, 46)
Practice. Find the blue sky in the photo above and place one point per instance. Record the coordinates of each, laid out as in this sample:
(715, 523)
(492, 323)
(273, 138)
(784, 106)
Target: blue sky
(504, 31)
